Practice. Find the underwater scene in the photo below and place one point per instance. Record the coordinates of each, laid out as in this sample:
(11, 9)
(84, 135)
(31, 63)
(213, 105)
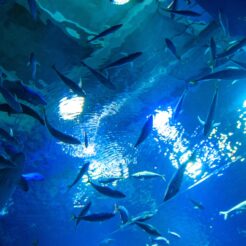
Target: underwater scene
(123, 122)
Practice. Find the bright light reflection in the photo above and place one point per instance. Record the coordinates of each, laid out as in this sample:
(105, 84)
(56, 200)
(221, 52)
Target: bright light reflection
(120, 2)
(70, 108)
(244, 104)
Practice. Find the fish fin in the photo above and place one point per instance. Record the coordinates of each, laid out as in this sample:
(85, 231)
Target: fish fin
(216, 124)
(200, 120)
(23, 184)
(225, 214)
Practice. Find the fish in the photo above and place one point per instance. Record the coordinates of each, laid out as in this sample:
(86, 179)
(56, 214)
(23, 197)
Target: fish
(33, 64)
(144, 216)
(96, 217)
(86, 139)
(146, 130)
(106, 241)
(124, 60)
(108, 191)
(232, 49)
(82, 213)
(183, 12)
(25, 110)
(33, 176)
(70, 83)
(209, 123)
(147, 175)
(10, 178)
(178, 108)
(148, 228)
(11, 99)
(213, 51)
(173, 6)
(106, 32)
(5, 163)
(81, 173)
(100, 77)
(197, 205)
(60, 135)
(124, 214)
(160, 240)
(174, 234)
(33, 8)
(172, 48)
(8, 136)
(240, 64)
(110, 180)
(223, 21)
(240, 207)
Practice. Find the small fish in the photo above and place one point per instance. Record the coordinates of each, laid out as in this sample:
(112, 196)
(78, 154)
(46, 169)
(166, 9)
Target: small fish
(98, 217)
(124, 60)
(106, 32)
(8, 136)
(148, 228)
(70, 83)
(146, 130)
(209, 123)
(147, 175)
(81, 173)
(100, 77)
(172, 48)
(106, 241)
(33, 8)
(82, 213)
(197, 205)
(110, 180)
(25, 110)
(124, 214)
(33, 176)
(178, 108)
(174, 234)
(59, 135)
(108, 191)
(86, 139)
(213, 51)
(183, 12)
(160, 240)
(241, 207)
(223, 20)
(144, 216)
(33, 64)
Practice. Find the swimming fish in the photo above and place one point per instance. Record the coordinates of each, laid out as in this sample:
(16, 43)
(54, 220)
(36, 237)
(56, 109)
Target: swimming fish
(108, 191)
(8, 136)
(213, 51)
(33, 64)
(146, 130)
(183, 12)
(160, 240)
(172, 48)
(178, 108)
(70, 83)
(109, 180)
(25, 110)
(144, 216)
(81, 173)
(223, 21)
(33, 176)
(106, 241)
(100, 77)
(33, 8)
(59, 135)
(240, 64)
(98, 217)
(106, 32)
(174, 234)
(124, 214)
(209, 123)
(86, 139)
(148, 228)
(82, 213)
(197, 205)
(241, 207)
(124, 60)
(147, 175)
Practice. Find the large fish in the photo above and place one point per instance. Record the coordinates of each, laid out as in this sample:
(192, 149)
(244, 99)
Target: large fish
(170, 45)
(106, 32)
(108, 191)
(100, 77)
(146, 130)
(209, 123)
(82, 213)
(60, 135)
(10, 178)
(124, 60)
(98, 217)
(147, 175)
(241, 207)
(148, 228)
(81, 173)
(70, 83)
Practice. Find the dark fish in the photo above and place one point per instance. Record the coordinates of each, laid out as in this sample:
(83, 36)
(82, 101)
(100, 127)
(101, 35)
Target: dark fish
(172, 48)
(106, 32)
(197, 205)
(25, 110)
(124, 60)
(209, 123)
(146, 130)
(100, 77)
(124, 214)
(83, 212)
(110, 180)
(148, 228)
(33, 64)
(70, 83)
(183, 12)
(98, 217)
(178, 108)
(10, 99)
(59, 135)
(213, 52)
(7, 136)
(233, 48)
(86, 139)
(108, 191)
(81, 173)
(33, 8)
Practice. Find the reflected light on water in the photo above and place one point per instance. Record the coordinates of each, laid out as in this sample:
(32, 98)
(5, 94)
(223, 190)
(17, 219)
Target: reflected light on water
(120, 2)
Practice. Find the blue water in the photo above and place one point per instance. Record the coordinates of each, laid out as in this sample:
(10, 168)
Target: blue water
(113, 119)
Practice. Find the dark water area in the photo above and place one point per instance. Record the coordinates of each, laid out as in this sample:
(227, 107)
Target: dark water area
(178, 63)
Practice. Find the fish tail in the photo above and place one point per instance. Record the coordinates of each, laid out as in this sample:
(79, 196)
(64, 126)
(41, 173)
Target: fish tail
(225, 214)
